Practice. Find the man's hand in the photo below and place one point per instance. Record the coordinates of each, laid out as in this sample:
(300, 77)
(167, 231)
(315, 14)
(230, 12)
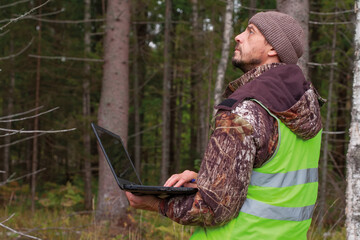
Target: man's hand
(146, 202)
(186, 179)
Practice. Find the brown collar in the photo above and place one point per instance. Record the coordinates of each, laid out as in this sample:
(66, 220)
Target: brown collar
(247, 77)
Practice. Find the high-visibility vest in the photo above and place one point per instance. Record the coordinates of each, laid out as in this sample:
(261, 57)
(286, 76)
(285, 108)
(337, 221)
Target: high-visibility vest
(281, 194)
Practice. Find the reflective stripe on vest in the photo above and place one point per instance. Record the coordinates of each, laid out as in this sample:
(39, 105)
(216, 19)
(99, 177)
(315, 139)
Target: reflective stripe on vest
(284, 179)
(264, 210)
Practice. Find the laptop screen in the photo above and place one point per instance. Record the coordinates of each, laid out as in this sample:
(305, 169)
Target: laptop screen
(117, 156)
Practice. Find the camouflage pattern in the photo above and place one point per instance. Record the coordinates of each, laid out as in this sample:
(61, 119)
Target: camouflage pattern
(243, 138)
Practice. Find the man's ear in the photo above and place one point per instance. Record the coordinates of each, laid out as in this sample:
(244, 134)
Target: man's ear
(272, 53)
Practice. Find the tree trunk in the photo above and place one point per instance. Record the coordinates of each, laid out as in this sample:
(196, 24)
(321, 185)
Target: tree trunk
(252, 10)
(353, 155)
(299, 9)
(86, 109)
(114, 102)
(179, 128)
(10, 106)
(228, 31)
(34, 164)
(139, 68)
(136, 105)
(322, 204)
(166, 96)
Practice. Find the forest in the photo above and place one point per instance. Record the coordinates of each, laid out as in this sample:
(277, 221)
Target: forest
(151, 71)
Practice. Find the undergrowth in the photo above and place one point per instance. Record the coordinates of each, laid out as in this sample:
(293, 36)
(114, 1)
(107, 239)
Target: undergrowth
(62, 224)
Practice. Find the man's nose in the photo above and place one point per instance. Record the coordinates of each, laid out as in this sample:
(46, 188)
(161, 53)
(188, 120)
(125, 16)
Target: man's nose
(239, 38)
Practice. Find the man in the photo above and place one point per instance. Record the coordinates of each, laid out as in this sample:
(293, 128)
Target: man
(258, 178)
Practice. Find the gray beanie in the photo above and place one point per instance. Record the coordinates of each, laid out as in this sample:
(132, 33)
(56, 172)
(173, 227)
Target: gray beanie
(283, 33)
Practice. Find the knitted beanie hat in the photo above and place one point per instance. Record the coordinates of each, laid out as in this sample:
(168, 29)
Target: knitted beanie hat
(283, 33)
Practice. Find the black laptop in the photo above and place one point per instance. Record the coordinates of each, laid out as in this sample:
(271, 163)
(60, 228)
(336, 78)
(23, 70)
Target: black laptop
(123, 168)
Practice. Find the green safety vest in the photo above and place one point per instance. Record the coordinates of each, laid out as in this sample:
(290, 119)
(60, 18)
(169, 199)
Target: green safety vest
(281, 194)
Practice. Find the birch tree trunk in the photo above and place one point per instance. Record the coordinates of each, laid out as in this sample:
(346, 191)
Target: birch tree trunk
(299, 10)
(228, 32)
(114, 102)
(353, 155)
(166, 97)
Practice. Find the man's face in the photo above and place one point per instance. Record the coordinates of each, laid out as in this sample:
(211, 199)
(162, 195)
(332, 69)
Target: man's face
(251, 49)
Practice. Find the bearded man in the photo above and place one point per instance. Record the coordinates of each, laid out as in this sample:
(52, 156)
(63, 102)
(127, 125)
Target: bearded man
(258, 177)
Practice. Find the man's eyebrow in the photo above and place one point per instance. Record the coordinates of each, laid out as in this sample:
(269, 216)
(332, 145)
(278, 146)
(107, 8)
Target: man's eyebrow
(250, 27)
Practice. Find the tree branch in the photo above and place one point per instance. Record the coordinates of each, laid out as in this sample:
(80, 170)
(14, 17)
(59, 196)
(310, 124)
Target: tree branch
(21, 177)
(330, 23)
(17, 232)
(64, 21)
(20, 52)
(322, 64)
(8, 134)
(4, 33)
(23, 15)
(22, 113)
(21, 140)
(257, 9)
(37, 131)
(13, 4)
(63, 58)
(25, 118)
(332, 13)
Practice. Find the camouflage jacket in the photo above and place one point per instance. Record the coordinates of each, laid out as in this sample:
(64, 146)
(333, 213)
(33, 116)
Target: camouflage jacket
(245, 136)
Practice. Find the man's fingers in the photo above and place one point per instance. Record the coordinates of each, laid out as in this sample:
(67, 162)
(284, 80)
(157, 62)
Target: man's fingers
(180, 183)
(178, 180)
(172, 180)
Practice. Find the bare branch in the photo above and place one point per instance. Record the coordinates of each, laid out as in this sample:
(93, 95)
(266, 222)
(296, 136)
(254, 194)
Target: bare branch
(64, 59)
(322, 64)
(23, 15)
(37, 131)
(13, 4)
(49, 13)
(8, 218)
(21, 177)
(8, 134)
(257, 9)
(22, 113)
(333, 133)
(25, 118)
(21, 140)
(4, 33)
(20, 52)
(332, 13)
(17, 232)
(64, 21)
(330, 23)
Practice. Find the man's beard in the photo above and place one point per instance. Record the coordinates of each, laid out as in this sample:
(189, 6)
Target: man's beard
(246, 66)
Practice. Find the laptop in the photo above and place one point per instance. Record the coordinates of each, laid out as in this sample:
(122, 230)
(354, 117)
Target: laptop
(123, 168)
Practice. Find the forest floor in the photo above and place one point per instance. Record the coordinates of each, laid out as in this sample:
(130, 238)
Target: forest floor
(64, 224)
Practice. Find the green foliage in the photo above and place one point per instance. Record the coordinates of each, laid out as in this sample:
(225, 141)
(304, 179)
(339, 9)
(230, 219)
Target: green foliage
(66, 196)
(63, 224)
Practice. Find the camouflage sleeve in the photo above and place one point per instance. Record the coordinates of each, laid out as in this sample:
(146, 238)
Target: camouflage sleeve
(236, 143)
